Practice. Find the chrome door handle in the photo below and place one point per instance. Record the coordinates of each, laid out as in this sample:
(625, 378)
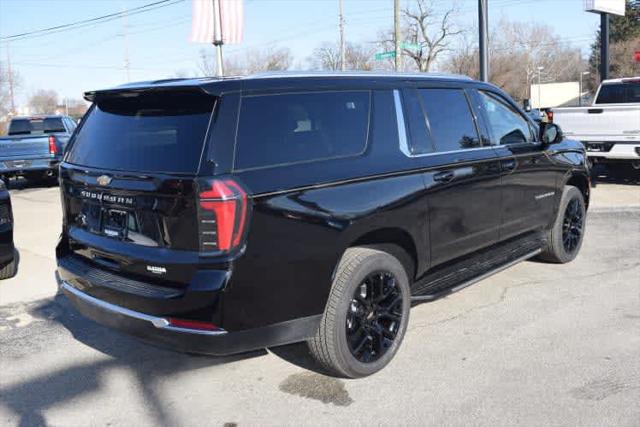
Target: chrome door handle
(445, 176)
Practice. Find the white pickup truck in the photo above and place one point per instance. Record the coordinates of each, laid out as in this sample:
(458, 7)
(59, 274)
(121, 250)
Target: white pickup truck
(610, 128)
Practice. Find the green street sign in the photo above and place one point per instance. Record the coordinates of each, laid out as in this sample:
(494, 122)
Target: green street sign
(384, 55)
(411, 46)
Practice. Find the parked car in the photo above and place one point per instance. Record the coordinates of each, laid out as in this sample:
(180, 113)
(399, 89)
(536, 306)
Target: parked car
(34, 146)
(223, 215)
(8, 254)
(610, 127)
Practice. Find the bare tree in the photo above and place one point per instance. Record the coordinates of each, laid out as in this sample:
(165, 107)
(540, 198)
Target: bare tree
(327, 57)
(253, 61)
(44, 102)
(516, 50)
(431, 34)
(6, 80)
(623, 63)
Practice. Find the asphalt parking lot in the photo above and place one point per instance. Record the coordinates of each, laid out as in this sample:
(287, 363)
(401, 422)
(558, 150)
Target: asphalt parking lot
(537, 344)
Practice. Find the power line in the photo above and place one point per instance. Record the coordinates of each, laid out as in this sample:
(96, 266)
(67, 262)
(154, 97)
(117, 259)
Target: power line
(90, 22)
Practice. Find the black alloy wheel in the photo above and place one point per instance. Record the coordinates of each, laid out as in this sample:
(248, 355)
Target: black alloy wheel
(572, 226)
(374, 316)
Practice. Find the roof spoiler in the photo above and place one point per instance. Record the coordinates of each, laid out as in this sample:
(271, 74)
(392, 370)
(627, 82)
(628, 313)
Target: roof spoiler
(132, 92)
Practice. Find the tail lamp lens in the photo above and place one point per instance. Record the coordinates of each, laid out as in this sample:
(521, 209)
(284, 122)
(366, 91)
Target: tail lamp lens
(222, 215)
(53, 148)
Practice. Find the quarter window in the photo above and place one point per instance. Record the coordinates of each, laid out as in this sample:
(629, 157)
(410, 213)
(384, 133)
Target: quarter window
(292, 128)
(449, 118)
(506, 124)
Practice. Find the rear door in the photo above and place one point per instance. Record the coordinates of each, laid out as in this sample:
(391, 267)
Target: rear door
(130, 182)
(528, 174)
(463, 176)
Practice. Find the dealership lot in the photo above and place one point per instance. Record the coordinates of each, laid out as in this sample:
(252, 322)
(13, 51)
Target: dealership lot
(537, 344)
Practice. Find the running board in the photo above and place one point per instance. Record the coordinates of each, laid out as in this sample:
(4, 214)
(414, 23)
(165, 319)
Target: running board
(421, 298)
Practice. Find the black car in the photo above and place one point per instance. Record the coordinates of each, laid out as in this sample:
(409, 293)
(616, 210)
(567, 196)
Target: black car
(224, 215)
(8, 255)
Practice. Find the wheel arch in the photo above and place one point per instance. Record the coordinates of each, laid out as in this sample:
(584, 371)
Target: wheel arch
(396, 241)
(582, 182)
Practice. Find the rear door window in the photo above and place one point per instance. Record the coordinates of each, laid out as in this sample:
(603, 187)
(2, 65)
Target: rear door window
(279, 129)
(450, 122)
(145, 132)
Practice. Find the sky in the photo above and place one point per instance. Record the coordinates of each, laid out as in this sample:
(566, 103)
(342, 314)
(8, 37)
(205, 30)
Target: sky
(157, 42)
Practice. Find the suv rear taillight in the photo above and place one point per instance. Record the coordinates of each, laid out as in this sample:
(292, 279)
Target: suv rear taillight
(222, 215)
(53, 148)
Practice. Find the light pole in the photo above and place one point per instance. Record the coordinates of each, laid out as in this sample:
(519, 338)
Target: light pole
(584, 73)
(539, 94)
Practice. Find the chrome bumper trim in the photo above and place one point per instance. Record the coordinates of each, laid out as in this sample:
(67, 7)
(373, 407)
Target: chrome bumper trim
(158, 322)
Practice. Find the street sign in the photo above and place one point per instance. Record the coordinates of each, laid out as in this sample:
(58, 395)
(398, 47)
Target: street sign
(410, 46)
(384, 55)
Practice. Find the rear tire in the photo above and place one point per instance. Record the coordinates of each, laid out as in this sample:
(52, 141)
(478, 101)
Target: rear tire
(11, 269)
(366, 315)
(564, 240)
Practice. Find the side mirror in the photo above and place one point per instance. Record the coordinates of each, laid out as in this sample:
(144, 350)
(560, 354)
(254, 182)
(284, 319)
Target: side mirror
(550, 133)
(526, 105)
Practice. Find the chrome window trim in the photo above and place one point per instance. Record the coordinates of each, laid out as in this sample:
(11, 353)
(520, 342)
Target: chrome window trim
(402, 134)
(158, 322)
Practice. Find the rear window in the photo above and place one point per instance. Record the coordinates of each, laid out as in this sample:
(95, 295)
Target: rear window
(36, 126)
(146, 132)
(619, 93)
(282, 129)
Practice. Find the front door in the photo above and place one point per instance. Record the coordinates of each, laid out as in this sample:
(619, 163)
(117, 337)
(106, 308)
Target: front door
(529, 190)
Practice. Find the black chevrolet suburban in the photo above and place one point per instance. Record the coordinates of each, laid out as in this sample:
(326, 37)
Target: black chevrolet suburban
(224, 215)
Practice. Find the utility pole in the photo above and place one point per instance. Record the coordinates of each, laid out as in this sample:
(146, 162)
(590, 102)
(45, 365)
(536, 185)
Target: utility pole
(396, 37)
(539, 87)
(11, 83)
(217, 37)
(604, 46)
(483, 20)
(343, 65)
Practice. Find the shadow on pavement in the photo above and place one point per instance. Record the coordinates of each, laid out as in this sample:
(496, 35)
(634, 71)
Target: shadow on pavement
(149, 365)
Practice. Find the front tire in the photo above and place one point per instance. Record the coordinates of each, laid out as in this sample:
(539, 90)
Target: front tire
(366, 315)
(565, 238)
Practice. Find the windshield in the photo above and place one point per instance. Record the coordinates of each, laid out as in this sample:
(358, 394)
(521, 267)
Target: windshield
(619, 93)
(144, 132)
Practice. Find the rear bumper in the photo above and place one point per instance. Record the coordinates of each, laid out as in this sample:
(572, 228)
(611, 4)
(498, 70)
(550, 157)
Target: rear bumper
(156, 329)
(19, 167)
(613, 150)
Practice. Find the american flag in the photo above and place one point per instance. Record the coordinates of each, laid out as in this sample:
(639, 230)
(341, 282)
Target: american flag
(227, 27)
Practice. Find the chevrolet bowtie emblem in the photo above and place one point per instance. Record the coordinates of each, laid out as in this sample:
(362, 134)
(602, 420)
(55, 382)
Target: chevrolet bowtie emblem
(104, 180)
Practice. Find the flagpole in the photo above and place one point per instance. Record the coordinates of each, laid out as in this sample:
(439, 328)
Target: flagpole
(217, 37)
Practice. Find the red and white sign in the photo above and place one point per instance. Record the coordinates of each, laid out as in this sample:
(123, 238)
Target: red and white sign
(217, 21)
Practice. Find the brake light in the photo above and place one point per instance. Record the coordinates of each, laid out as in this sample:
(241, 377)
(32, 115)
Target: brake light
(53, 148)
(222, 215)
(550, 116)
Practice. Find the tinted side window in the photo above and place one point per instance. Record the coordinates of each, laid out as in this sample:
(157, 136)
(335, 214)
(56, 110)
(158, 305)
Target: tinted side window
(505, 123)
(419, 140)
(450, 121)
(292, 128)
